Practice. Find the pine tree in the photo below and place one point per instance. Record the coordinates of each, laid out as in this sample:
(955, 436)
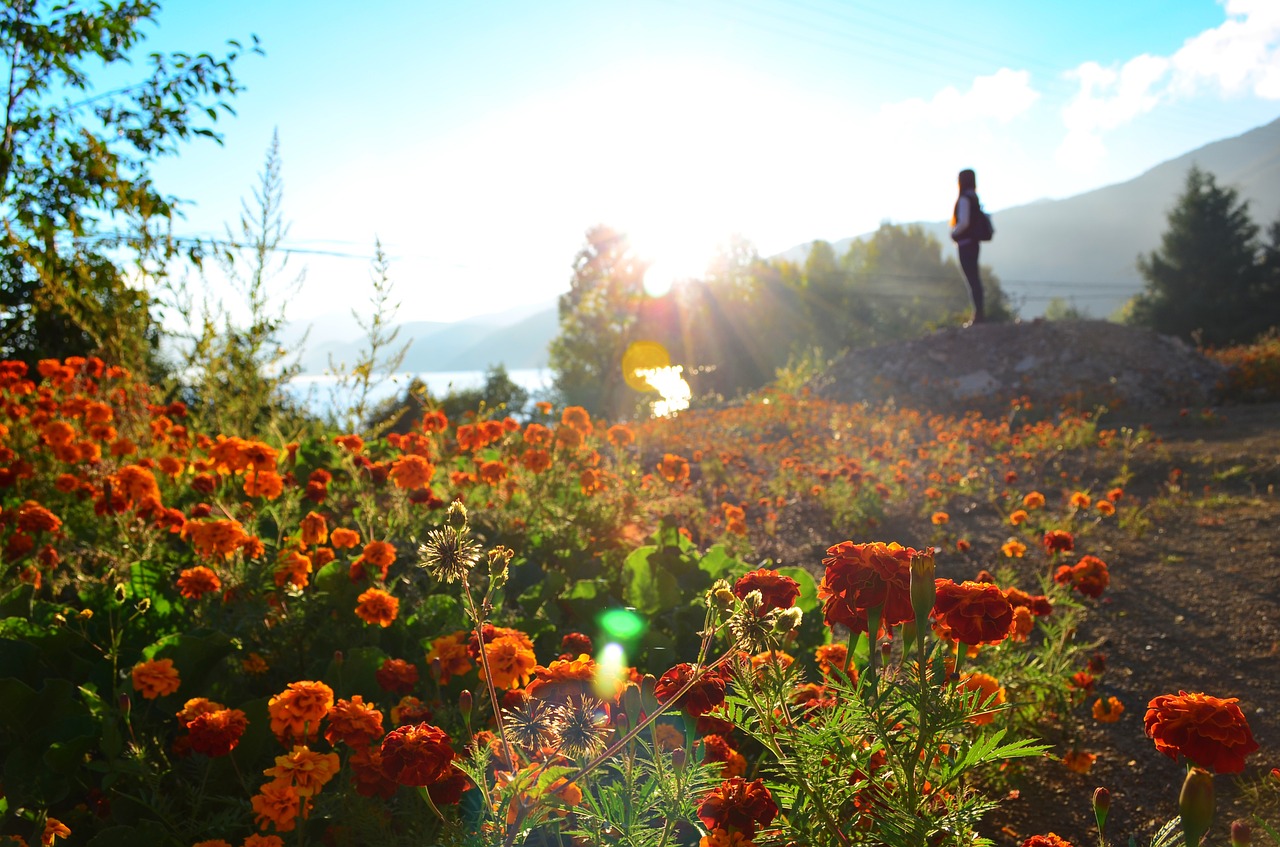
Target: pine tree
(1208, 282)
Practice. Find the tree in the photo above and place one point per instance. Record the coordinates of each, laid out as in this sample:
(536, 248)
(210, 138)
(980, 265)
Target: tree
(81, 214)
(1209, 281)
(598, 315)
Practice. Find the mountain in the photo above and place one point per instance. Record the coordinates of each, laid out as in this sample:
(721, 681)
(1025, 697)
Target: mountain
(1084, 248)
(515, 338)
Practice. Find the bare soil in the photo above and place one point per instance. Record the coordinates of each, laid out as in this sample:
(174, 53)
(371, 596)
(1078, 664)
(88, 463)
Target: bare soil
(1194, 605)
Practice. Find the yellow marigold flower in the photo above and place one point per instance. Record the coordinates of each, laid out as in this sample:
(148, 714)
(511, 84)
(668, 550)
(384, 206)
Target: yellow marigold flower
(1107, 710)
(155, 679)
(376, 606)
(1013, 549)
(307, 771)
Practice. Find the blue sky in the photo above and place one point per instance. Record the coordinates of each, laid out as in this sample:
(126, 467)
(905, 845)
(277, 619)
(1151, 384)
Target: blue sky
(479, 140)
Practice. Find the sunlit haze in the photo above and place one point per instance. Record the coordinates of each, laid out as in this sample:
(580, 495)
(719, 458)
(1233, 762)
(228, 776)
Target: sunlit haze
(479, 141)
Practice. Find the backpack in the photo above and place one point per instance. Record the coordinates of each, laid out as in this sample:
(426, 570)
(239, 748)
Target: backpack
(980, 222)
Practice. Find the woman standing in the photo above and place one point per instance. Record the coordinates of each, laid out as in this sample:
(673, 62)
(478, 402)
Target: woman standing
(963, 218)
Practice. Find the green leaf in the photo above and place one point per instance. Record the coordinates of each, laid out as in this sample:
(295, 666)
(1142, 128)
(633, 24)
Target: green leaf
(716, 563)
(648, 587)
(808, 599)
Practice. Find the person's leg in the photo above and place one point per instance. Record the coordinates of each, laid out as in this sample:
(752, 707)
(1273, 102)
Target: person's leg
(969, 264)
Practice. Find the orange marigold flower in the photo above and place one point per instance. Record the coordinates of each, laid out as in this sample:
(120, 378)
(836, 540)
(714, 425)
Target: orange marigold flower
(435, 421)
(276, 803)
(155, 679)
(974, 612)
(832, 657)
(138, 484)
(212, 842)
(1115, 494)
(194, 583)
(256, 840)
(566, 678)
(293, 568)
(860, 577)
(1080, 500)
(491, 472)
(297, 711)
(216, 537)
(568, 438)
(420, 754)
(32, 517)
(1208, 731)
(412, 472)
(450, 652)
(537, 435)
(1018, 516)
(1105, 508)
(1033, 500)
(265, 484)
(535, 459)
(1107, 710)
(990, 695)
(410, 710)
(578, 418)
(674, 468)
(725, 838)
(218, 732)
(342, 538)
(620, 436)
(307, 771)
(354, 722)
(376, 606)
(738, 805)
(194, 708)
(1023, 623)
(313, 530)
(716, 748)
(353, 444)
(939, 518)
(378, 554)
(590, 481)
(1089, 576)
(1050, 840)
(510, 658)
(1013, 549)
(54, 829)
(1079, 761)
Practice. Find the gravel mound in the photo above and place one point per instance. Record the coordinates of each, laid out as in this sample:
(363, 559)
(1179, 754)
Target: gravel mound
(1073, 364)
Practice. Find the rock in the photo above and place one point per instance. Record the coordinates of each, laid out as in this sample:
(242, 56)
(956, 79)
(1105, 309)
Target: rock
(989, 367)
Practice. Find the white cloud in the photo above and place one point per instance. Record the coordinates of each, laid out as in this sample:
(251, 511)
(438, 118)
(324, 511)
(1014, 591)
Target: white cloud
(1241, 56)
(1002, 96)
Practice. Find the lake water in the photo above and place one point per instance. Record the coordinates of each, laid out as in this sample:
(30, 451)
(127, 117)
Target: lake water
(317, 391)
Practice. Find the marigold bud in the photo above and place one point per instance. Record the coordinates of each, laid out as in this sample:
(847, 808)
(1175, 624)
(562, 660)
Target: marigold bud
(631, 703)
(456, 516)
(465, 702)
(1196, 804)
(1101, 805)
(1241, 833)
(788, 620)
(126, 704)
(924, 590)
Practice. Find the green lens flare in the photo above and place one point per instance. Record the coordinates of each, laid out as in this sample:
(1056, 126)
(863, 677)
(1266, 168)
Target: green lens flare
(622, 625)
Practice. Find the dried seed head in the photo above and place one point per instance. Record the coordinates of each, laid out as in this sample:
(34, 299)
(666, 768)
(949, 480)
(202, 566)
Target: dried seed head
(447, 554)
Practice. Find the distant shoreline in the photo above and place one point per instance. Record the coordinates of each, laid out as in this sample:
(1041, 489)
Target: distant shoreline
(316, 390)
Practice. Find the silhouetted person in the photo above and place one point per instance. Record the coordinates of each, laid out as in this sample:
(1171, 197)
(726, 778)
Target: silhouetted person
(962, 219)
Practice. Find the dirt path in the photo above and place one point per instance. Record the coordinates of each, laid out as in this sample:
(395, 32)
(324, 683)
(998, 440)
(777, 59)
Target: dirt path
(1194, 605)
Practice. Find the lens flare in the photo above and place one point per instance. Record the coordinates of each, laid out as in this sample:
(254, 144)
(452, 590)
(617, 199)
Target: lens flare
(611, 670)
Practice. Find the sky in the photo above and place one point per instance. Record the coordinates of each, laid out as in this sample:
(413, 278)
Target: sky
(478, 141)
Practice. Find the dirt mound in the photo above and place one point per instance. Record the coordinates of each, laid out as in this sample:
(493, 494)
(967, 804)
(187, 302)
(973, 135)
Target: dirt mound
(1078, 364)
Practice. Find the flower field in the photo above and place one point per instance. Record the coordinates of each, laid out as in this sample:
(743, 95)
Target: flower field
(789, 621)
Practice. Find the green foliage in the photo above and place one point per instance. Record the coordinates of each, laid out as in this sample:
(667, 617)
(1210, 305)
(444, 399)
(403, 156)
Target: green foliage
(75, 187)
(598, 316)
(1211, 281)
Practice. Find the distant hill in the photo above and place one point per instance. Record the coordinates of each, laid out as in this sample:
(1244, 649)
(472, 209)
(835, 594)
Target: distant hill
(1084, 248)
(515, 338)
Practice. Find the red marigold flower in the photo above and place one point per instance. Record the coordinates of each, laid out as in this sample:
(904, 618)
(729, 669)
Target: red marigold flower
(194, 583)
(706, 694)
(1089, 576)
(574, 644)
(778, 591)
(1058, 541)
(155, 679)
(863, 576)
(974, 612)
(1082, 680)
(1208, 731)
(419, 754)
(1050, 840)
(1037, 603)
(397, 676)
(32, 517)
(217, 733)
(739, 805)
